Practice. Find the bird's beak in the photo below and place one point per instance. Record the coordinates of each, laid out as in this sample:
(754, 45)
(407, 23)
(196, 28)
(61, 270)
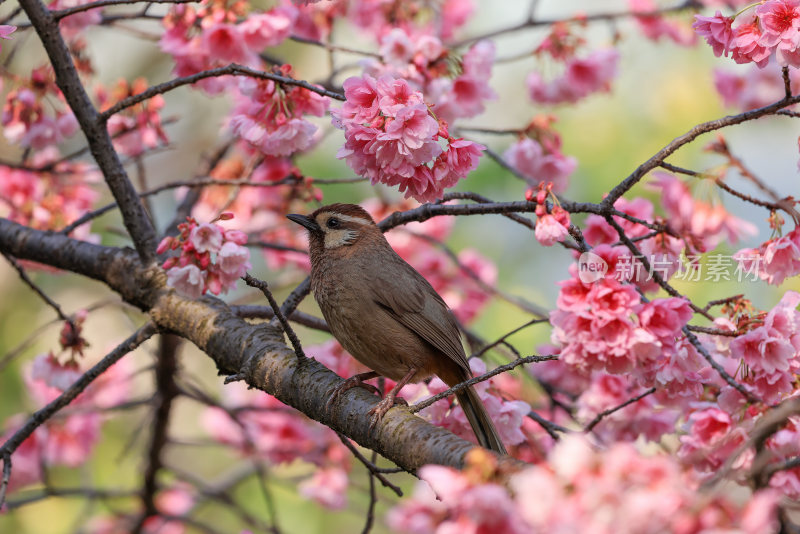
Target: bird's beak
(302, 220)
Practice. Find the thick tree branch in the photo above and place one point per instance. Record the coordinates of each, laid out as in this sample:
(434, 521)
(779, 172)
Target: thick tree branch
(166, 391)
(133, 214)
(256, 352)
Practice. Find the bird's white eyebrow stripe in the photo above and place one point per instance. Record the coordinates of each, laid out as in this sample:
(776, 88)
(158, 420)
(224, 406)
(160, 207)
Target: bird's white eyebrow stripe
(349, 218)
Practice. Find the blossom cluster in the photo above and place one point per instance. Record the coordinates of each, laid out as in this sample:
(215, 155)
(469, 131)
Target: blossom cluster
(268, 116)
(454, 86)
(582, 77)
(391, 138)
(48, 199)
(550, 227)
(216, 34)
(538, 158)
(579, 490)
(770, 27)
(258, 425)
(774, 260)
(211, 258)
(137, 128)
(25, 117)
(70, 439)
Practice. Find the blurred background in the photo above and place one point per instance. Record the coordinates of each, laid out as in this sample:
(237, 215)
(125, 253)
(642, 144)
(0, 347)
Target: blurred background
(661, 92)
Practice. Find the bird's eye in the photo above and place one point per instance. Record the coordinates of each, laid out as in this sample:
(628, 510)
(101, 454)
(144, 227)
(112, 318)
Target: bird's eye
(333, 222)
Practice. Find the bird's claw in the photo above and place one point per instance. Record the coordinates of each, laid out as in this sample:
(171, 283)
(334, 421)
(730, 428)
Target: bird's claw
(379, 410)
(350, 383)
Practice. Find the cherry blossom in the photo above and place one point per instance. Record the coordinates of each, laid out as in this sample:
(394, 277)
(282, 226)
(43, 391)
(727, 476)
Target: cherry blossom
(196, 271)
(390, 137)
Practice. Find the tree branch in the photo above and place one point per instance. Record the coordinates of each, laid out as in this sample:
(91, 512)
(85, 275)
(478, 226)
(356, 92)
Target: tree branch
(94, 127)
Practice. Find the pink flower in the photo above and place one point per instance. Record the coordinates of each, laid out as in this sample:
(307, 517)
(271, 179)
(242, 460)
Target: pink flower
(327, 487)
(746, 44)
(362, 100)
(703, 223)
(206, 238)
(549, 230)
(234, 260)
(582, 77)
(396, 94)
(780, 20)
(665, 318)
(396, 48)
(413, 126)
(188, 280)
(224, 42)
(717, 32)
(261, 30)
(593, 73)
(529, 158)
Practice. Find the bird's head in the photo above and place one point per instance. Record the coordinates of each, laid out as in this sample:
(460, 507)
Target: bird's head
(336, 227)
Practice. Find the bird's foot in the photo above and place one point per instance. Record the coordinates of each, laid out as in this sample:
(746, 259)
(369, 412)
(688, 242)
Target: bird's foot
(379, 410)
(356, 381)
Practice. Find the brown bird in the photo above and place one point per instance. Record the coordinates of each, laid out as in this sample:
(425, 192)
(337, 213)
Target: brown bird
(385, 313)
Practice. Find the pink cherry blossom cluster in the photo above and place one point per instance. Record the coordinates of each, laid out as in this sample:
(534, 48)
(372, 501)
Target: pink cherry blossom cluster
(48, 200)
(703, 225)
(604, 326)
(765, 360)
(268, 116)
(391, 138)
(380, 17)
(773, 26)
(261, 210)
(662, 251)
(579, 490)
(455, 87)
(755, 87)
(67, 440)
(582, 77)
(211, 258)
(266, 428)
(538, 158)
(775, 260)
(217, 33)
(26, 121)
(137, 128)
(654, 27)
(507, 415)
(552, 227)
(771, 352)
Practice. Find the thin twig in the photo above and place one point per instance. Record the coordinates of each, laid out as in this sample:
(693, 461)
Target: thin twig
(230, 70)
(36, 289)
(599, 417)
(264, 288)
(370, 465)
(59, 14)
(478, 379)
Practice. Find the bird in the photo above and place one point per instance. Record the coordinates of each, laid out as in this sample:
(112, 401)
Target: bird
(386, 314)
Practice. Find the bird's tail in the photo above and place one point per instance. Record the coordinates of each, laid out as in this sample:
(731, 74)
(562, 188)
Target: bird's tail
(479, 420)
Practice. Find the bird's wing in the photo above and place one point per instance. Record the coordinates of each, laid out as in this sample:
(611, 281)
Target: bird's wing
(405, 293)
